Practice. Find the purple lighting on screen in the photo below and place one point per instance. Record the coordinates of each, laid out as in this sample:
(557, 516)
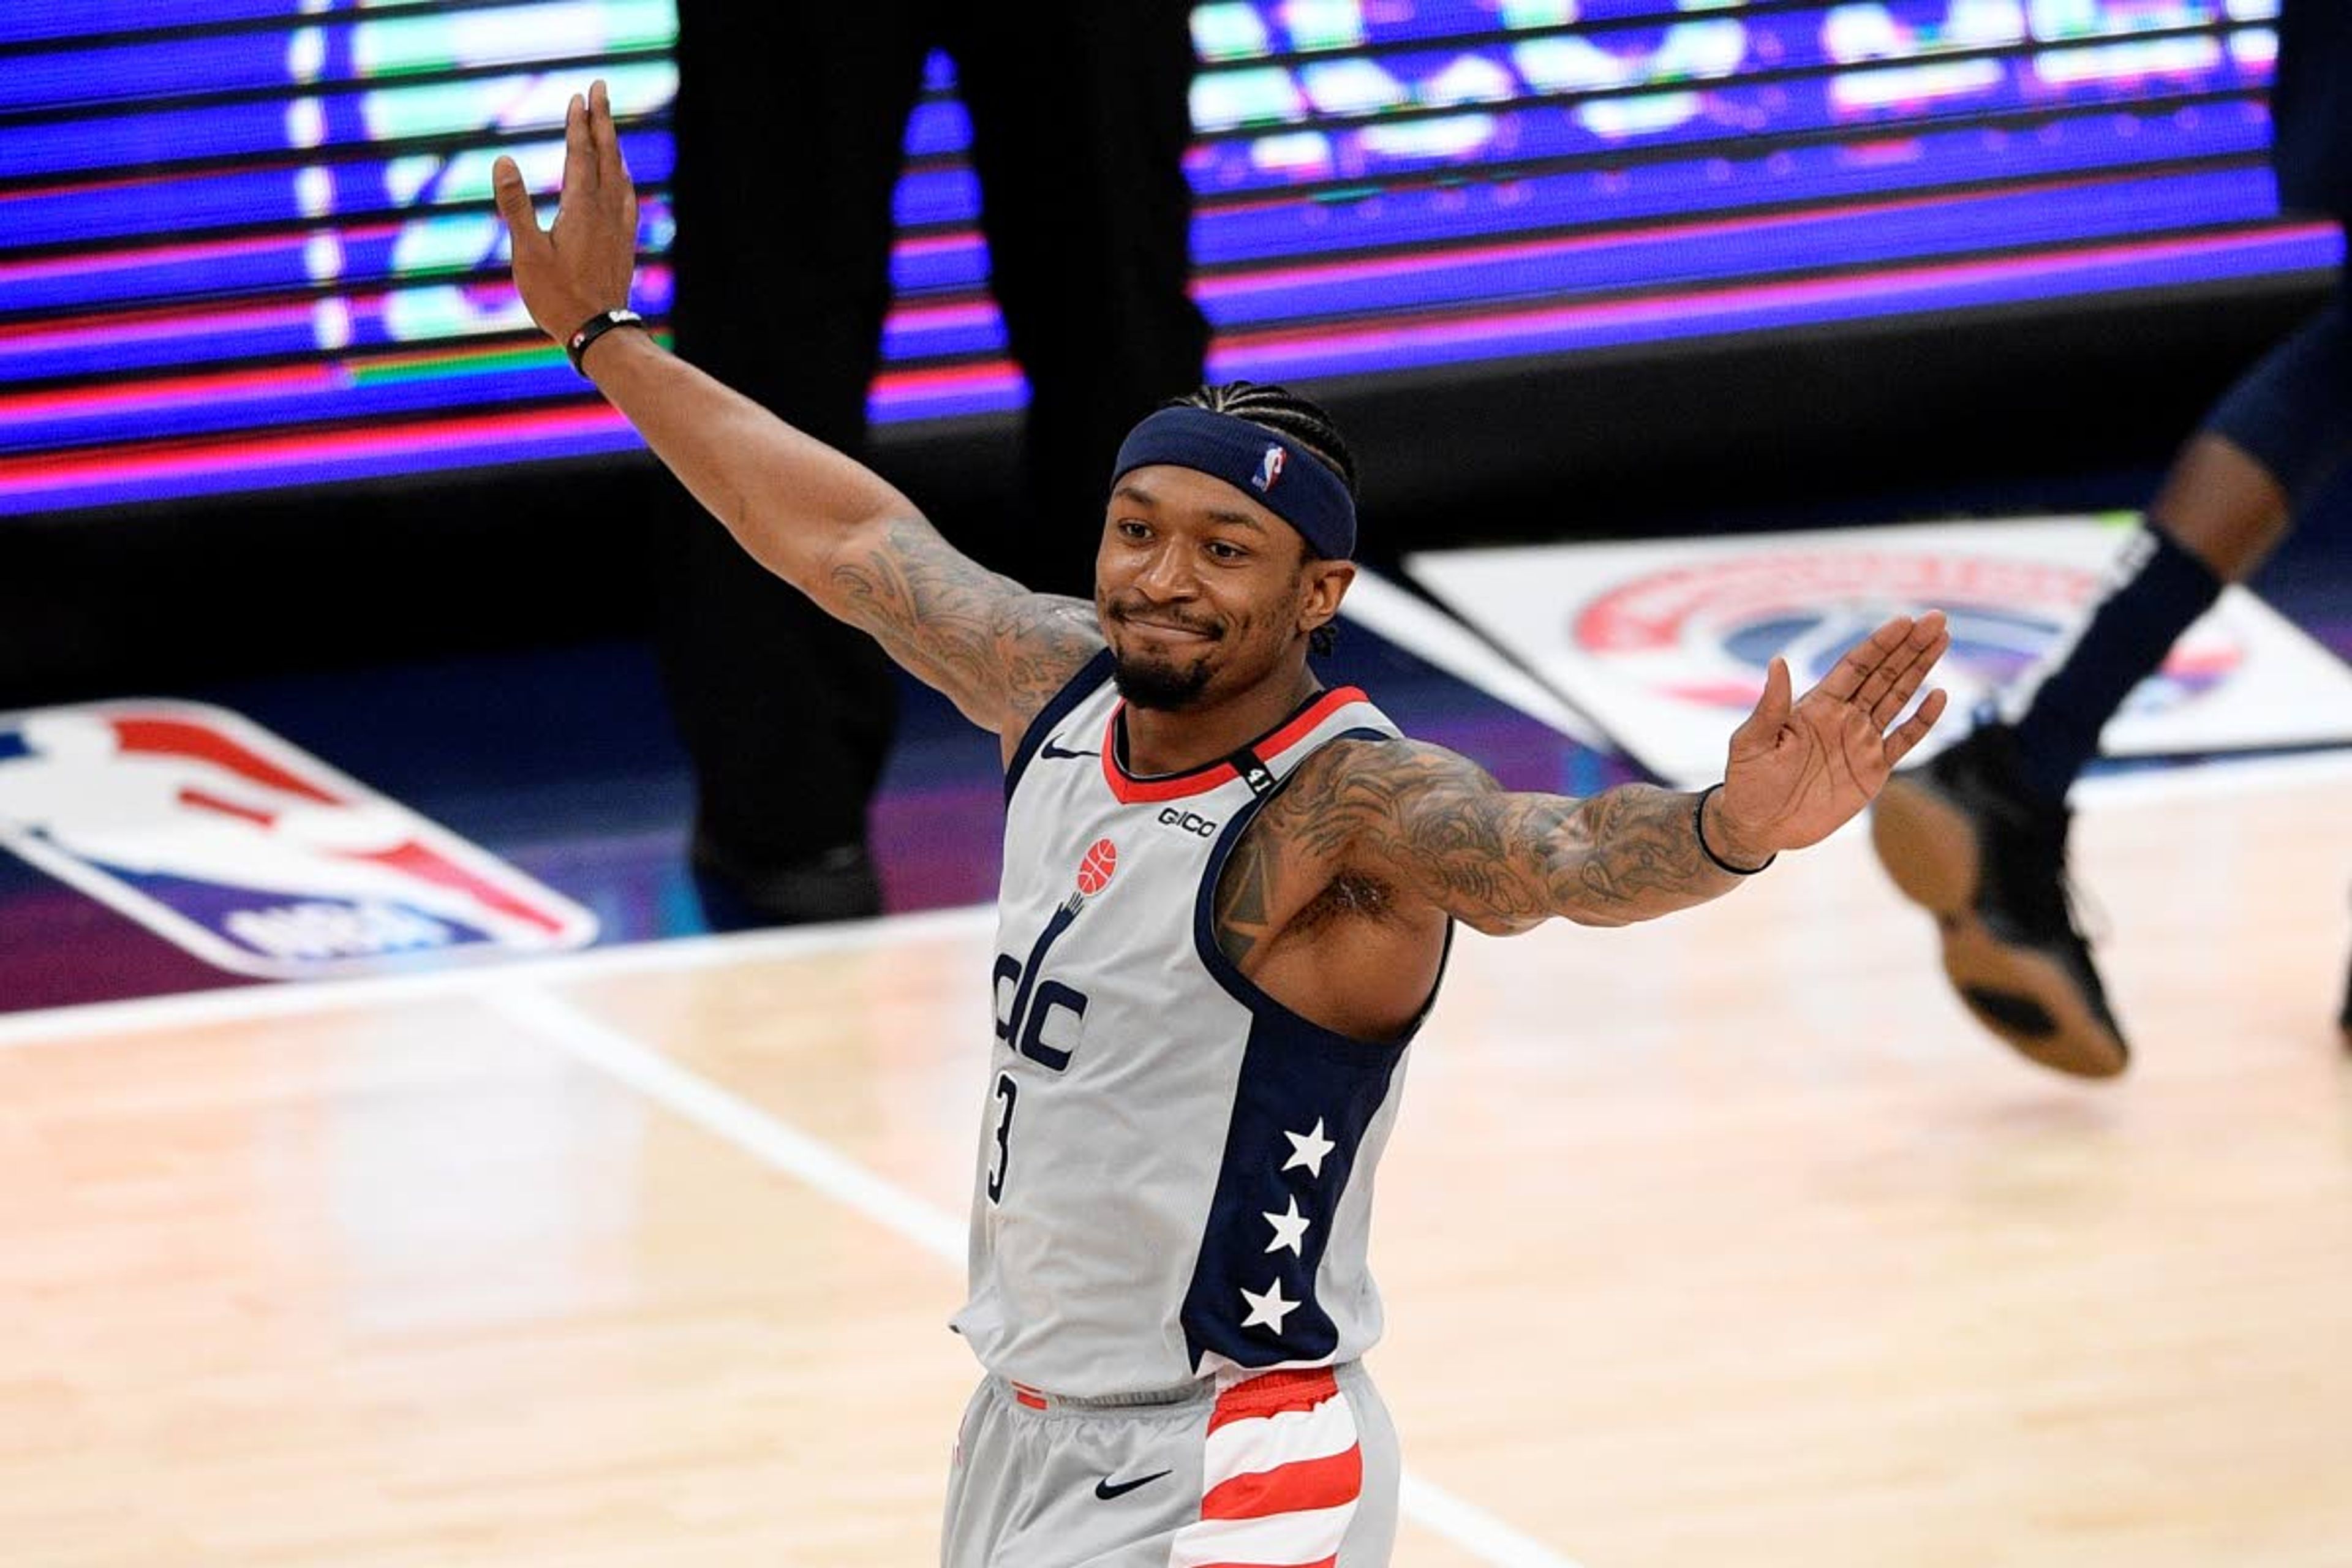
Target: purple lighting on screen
(292, 276)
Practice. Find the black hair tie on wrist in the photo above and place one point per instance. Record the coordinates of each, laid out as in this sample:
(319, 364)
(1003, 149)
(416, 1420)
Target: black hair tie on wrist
(595, 327)
(1699, 825)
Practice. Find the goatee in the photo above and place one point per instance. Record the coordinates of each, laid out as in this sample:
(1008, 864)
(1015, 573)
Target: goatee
(1158, 686)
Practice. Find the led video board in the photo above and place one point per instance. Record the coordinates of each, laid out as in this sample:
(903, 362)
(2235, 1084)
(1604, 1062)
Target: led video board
(255, 247)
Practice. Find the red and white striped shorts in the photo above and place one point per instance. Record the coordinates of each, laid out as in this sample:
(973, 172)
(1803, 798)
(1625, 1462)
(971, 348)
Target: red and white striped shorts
(1285, 1469)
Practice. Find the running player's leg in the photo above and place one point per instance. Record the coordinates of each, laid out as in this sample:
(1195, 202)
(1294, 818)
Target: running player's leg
(1977, 835)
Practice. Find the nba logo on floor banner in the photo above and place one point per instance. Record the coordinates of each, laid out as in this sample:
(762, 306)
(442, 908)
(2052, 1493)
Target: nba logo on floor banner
(256, 857)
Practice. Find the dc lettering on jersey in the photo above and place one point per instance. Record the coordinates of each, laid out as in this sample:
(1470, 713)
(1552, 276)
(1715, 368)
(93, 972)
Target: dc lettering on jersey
(1039, 1017)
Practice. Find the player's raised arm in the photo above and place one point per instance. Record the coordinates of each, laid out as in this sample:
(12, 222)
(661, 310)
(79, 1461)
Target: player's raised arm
(1434, 824)
(821, 521)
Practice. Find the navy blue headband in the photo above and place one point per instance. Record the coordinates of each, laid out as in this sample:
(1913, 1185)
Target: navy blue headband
(1278, 473)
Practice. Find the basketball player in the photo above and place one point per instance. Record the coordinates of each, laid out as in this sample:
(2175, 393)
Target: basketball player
(1227, 900)
(1978, 836)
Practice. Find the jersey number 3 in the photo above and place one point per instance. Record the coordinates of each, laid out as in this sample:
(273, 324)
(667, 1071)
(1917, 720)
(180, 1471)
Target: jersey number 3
(1025, 1007)
(1008, 1091)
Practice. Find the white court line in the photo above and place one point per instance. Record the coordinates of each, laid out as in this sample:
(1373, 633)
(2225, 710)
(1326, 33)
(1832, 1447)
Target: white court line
(295, 998)
(1471, 1528)
(731, 1117)
(2220, 778)
(787, 1148)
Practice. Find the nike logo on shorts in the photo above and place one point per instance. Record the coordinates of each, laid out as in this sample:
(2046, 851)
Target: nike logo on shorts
(1106, 1489)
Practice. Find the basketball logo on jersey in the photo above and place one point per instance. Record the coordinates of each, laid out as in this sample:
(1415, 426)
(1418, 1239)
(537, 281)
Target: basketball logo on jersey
(1269, 469)
(1094, 872)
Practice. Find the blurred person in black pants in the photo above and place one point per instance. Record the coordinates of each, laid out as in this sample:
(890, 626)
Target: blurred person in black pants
(791, 121)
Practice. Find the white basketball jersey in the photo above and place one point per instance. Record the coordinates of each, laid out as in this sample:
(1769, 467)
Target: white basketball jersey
(1175, 1171)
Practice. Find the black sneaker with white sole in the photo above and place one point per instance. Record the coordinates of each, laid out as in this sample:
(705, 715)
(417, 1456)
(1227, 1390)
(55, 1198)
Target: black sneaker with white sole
(1965, 840)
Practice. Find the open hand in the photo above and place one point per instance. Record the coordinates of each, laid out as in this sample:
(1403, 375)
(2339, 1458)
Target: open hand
(1798, 771)
(583, 263)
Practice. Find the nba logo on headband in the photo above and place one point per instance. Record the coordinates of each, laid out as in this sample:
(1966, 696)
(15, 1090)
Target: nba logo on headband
(1307, 495)
(1269, 469)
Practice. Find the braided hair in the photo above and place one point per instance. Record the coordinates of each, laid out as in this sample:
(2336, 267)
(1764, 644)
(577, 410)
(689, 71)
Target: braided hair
(1299, 419)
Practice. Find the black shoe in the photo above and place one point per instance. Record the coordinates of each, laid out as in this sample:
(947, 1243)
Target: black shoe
(1965, 840)
(836, 885)
(2343, 1019)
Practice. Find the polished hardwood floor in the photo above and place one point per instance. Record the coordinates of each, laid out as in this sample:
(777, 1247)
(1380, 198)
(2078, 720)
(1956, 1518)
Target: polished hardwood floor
(1724, 1240)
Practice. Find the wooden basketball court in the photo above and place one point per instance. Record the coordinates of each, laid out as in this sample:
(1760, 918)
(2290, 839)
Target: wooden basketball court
(1724, 1240)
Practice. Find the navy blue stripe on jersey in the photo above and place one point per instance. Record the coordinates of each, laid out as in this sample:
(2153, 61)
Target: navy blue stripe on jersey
(1083, 685)
(1304, 1098)
(1301, 1106)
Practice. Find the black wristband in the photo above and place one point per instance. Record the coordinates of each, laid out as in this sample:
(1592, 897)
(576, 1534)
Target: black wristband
(1699, 825)
(595, 327)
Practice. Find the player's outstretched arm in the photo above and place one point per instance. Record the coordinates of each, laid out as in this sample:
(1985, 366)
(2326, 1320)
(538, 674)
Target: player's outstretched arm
(1436, 825)
(821, 521)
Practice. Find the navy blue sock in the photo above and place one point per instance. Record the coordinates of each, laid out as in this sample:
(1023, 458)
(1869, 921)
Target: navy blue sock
(2167, 587)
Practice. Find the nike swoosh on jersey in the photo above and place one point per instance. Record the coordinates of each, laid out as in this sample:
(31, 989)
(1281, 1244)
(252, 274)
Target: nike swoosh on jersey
(1106, 1489)
(1051, 750)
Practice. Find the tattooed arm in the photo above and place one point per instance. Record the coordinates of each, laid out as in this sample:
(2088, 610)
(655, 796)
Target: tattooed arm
(823, 522)
(851, 542)
(1435, 826)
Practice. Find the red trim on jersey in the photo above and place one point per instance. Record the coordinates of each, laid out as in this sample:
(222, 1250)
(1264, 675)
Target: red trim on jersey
(1290, 734)
(1272, 1393)
(1129, 790)
(1330, 1562)
(1296, 1488)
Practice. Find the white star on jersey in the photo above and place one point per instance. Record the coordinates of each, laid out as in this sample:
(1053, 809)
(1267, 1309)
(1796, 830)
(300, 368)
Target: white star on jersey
(1268, 1309)
(1308, 1149)
(1290, 1230)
